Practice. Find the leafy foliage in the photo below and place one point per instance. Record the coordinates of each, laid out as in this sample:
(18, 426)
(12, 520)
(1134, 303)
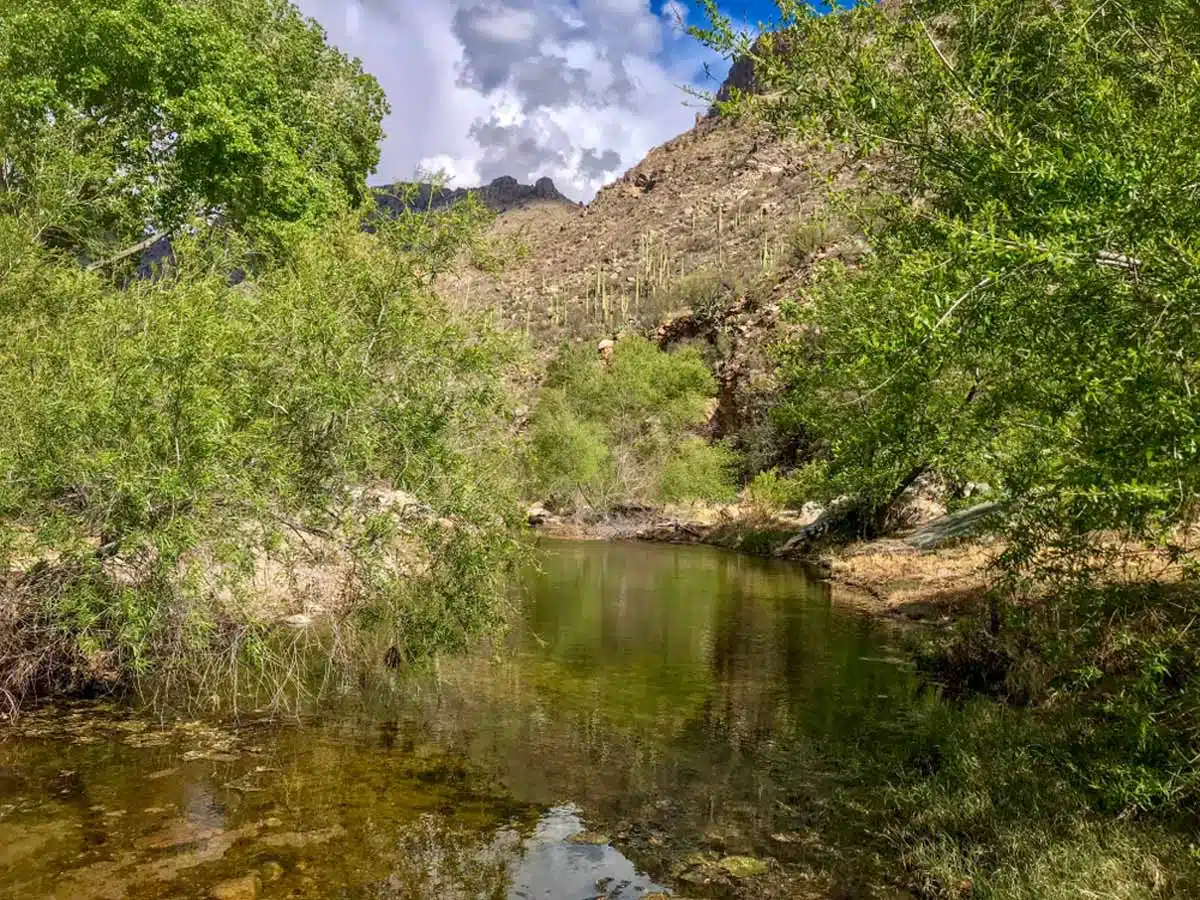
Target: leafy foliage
(1029, 310)
(698, 470)
(116, 117)
(772, 490)
(168, 439)
(175, 424)
(613, 431)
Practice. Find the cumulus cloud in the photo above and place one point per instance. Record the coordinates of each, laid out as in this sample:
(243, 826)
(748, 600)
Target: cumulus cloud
(577, 90)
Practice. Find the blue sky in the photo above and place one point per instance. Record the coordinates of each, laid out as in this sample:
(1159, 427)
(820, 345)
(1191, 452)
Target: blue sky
(747, 10)
(577, 90)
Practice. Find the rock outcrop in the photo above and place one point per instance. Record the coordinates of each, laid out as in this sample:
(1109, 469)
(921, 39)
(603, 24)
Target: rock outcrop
(502, 195)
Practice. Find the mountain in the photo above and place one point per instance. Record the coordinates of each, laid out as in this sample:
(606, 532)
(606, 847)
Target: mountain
(697, 243)
(503, 195)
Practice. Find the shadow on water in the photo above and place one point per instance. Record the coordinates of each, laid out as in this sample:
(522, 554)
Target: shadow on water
(660, 721)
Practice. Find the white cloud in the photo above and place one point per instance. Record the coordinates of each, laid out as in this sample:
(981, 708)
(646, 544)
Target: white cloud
(577, 90)
(507, 25)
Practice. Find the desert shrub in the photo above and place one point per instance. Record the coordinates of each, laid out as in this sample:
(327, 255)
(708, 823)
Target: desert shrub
(772, 491)
(698, 470)
(810, 235)
(624, 417)
(572, 454)
(703, 292)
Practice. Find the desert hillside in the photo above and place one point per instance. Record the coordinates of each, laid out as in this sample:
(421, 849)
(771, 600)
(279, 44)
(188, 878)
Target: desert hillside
(721, 211)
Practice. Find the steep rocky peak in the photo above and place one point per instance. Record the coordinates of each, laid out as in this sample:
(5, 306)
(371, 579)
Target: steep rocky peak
(742, 75)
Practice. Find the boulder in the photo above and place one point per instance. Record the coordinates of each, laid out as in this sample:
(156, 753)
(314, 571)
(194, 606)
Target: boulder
(538, 515)
(964, 523)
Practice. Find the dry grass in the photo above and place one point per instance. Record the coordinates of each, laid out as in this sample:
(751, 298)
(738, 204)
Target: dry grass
(894, 579)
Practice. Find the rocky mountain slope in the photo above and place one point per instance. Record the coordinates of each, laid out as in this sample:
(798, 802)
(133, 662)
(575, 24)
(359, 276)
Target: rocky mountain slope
(697, 243)
(698, 221)
(503, 195)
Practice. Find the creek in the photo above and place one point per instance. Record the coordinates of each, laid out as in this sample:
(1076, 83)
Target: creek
(658, 721)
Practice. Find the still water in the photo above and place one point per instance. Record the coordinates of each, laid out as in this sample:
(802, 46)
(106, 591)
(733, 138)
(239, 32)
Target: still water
(656, 724)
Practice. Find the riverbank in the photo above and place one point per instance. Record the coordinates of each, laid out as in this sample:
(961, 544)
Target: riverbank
(669, 718)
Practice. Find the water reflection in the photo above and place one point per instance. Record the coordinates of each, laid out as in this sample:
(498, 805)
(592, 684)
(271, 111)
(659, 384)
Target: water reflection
(646, 723)
(560, 859)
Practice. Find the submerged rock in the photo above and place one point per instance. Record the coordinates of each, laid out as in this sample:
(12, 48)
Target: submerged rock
(244, 888)
(742, 866)
(588, 837)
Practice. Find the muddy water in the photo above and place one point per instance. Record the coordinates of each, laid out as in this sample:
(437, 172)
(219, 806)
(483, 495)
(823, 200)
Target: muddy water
(654, 725)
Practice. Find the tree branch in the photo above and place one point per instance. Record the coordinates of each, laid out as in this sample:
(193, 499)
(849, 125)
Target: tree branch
(129, 251)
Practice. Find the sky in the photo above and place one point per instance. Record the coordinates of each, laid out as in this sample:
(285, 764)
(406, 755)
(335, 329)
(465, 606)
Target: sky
(577, 90)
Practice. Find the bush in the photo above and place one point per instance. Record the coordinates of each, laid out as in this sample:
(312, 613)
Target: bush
(162, 439)
(697, 470)
(772, 491)
(572, 454)
(603, 432)
(703, 292)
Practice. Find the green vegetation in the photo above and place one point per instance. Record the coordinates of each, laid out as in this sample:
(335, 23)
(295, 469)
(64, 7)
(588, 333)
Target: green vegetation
(698, 470)
(118, 116)
(702, 292)
(285, 425)
(771, 490)
(1030, 316)
(149, 423)
(983, 800)
(618, 430)
(176, 449)
(1026, 317)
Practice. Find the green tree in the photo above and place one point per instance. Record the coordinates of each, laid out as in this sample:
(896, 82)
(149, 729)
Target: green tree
(1030, 308)
(118, 117)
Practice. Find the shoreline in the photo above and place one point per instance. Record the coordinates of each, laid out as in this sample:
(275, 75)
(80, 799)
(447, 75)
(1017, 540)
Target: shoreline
(888, 578)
